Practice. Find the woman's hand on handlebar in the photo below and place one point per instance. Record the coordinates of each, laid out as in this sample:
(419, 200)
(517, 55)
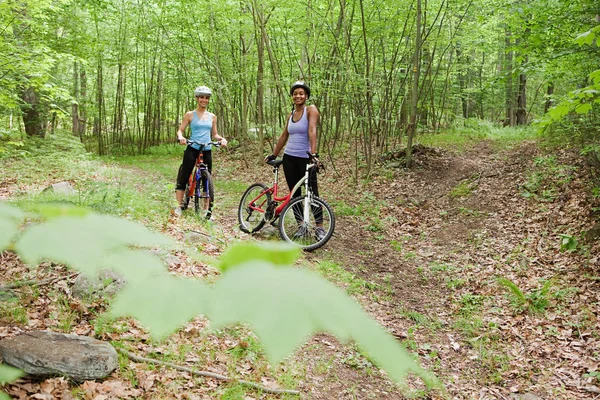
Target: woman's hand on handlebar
(223, 141)
(314, 158)
(182, 140)
(270, 157)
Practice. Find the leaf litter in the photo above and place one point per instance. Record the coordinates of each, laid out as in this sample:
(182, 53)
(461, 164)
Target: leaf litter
(431, 260)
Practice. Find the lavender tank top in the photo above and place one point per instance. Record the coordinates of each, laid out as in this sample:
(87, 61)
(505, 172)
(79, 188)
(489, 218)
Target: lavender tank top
(297, 144)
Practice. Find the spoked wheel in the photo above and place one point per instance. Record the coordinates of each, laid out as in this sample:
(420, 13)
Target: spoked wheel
(204, 195)
(253, 205)
(308, 235)
(187, 196)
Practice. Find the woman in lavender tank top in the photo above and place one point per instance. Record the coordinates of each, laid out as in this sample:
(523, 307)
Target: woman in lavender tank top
(300, 134)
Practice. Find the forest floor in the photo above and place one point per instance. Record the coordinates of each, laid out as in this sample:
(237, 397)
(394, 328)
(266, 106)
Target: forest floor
(429, 253)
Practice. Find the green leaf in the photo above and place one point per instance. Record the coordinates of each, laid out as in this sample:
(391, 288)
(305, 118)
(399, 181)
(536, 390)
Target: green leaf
(134, 264)
(9, 224)
(53, 210)
(514, 289)
(84, 242)
(595, 76)
(568, 243)
(560, 110)
(161, 303)
(285, 306)
(585, 38)
(583, 108)
(9, 374)
(276, 253)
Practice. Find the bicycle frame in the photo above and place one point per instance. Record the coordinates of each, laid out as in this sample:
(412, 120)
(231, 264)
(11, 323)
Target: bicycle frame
(198, 168)
(194, 177)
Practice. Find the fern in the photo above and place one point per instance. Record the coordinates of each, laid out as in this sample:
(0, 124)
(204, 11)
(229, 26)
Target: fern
(535, 302)
(518, 298)
(284, 306)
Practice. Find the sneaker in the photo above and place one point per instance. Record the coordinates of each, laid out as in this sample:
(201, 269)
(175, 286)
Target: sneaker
(319, 233)
(177, 211)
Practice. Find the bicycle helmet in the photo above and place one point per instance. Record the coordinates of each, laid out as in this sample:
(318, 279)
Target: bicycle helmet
(202, 91)
(300, 84)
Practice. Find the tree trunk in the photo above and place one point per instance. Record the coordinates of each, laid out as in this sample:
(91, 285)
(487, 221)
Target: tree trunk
(99, 117)
(74, 103)
(463, 63)
(549, 101)
(522, 100)
(33, 117)
(412, 126)
(368, 127)
(508, 66)
(259, 22)
(117, 120)
(82, 123)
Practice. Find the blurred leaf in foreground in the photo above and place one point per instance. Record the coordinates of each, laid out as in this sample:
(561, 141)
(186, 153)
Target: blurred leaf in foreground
(280, 254)
(84, 242)
(285, 306)
(161, 303)
(9, 374)
(9, 224)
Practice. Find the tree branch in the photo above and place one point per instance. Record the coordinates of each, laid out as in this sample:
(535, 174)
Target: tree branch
(265, 389)
(34, 282)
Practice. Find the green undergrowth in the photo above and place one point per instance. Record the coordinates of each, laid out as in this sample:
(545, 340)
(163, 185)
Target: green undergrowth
(547, 178)
(140, 188)
(464, 134)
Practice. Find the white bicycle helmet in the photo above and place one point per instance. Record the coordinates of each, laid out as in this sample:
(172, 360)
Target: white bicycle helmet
(202, 91)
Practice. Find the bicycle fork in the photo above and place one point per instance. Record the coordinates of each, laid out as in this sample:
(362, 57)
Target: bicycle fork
(307, 201)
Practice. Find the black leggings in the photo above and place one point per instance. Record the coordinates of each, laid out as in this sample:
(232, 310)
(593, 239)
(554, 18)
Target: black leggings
(294, 169)
(187, 165)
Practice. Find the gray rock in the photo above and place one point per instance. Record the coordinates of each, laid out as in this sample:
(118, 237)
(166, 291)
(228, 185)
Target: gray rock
(268, 232)
(106, 284)
(593, 233)
(44, 354)
(195, 237)
(526, 396)
(61, 187)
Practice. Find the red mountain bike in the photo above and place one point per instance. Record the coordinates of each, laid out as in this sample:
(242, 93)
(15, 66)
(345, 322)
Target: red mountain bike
(200, 186)
(306, 221)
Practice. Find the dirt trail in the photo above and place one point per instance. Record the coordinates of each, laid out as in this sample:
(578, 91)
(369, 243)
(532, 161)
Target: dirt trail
(453, 226)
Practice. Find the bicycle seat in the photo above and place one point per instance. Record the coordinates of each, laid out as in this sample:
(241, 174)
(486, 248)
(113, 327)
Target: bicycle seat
(275, 163)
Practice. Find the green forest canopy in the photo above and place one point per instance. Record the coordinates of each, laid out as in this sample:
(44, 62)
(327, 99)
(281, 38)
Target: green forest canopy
(120, 73)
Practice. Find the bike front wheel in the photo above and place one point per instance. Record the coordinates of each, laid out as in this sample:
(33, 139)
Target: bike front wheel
(253, 206)
(305, 223)
(187, 196)
(204, 195)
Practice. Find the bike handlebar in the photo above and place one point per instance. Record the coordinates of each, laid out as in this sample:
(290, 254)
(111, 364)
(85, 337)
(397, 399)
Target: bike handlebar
(313, 158)
(203, 145)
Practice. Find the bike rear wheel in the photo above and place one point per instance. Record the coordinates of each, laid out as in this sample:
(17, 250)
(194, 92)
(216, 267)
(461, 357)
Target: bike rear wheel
(312, 233)
(204, 195)
(252, 208)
